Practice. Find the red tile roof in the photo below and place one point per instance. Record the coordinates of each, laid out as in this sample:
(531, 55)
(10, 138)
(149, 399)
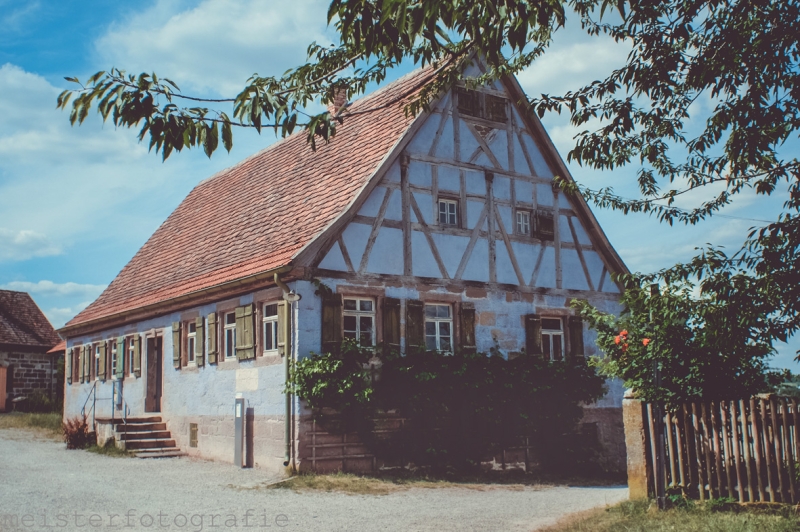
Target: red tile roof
(22, 323)
(258, 214)
(60, 347)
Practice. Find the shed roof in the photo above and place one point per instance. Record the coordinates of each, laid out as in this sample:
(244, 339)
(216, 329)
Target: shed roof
(257, 215)
(22, 323)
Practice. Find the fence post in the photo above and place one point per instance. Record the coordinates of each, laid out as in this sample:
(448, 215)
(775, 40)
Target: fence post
(639, 470)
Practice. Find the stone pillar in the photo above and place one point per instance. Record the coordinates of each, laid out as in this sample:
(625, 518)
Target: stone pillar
(635, 442)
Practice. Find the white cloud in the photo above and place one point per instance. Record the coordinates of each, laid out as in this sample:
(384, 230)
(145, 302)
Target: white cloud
(49, 288)
(58, 316)
(25, 244)
(217, 44)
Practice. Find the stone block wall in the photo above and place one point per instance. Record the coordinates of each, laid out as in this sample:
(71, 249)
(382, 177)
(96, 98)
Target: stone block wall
(29, 372)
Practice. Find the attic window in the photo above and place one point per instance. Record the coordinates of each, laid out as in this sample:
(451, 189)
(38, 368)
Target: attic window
(482, 105)
(543, 225)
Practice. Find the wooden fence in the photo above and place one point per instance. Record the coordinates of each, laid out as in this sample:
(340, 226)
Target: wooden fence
(747, 450)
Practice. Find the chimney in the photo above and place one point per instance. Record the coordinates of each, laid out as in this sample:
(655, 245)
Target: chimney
(339, 101)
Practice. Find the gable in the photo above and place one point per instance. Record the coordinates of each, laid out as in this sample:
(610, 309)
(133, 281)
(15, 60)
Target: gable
(494, 171)
(22, 323)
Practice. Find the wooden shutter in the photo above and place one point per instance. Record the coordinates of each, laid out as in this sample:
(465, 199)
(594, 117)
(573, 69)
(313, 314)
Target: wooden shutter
(87, 363)
(93, 365)
(102, 367)
(212, 338)
(533, 335)
(467, 327)
(176, 345)
(284, 327)
(576, 337)
(137, 355)
(245, 348)
(415, 325)
(81, 364)
(120, 373)
(68, 362)
(199, 342)
(391, 324)
(331, 323)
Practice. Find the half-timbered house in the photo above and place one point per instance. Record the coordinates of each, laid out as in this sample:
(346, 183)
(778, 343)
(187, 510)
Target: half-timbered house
(442, 230)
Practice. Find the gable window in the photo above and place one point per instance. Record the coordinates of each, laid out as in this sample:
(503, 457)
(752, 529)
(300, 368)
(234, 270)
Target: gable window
(230, 335)
(482, 105)
(543, 225)
(438, 328)
(358, 320)
(191, 341)
(523, 223)
(448, 212)
(270, 327)
(553, 338)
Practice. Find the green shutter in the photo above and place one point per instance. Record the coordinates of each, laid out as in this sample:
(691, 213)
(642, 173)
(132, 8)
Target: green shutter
(415, 326)
(87, 352)
(245, 348)
(81, 355)
(331, 322)
(467, 327)
(533, 335)
(576, 337)
(212, 338)
(120, 371)
(391, 324)
(199, 342)
(176, 345)
(283, 334)
(101, 367)
(68, 362)
(137, 355)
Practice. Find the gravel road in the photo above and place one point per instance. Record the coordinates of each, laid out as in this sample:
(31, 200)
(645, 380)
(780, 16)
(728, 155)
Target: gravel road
(45, 487)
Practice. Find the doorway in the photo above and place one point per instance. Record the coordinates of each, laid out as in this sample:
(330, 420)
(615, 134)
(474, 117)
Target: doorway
(152, 400)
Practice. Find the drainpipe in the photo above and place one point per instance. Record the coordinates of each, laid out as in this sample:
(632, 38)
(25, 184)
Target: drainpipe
(291, 297)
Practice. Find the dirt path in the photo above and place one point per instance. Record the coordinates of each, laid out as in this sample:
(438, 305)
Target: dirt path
(49, 488)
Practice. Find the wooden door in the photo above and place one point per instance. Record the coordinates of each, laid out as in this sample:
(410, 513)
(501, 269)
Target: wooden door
(2, 389)
(152, 400)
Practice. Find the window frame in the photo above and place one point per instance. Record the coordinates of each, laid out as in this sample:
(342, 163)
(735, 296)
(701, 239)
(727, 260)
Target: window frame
(112, 363)
(191, 343)
(97, 361)
(358, 314)
(130, 343)
(226, 327)
(457, 215)
(524, 213)
(438, 321)
(536, 225)
(271, 321)
(547, 336)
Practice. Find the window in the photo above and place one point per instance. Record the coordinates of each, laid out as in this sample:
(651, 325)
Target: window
(482, 105)
(543, 227)
(523, 223)
(553, 338)
(191, 341)
(448, 212)
(230, 335)
(270, 327)
(131, 350)
(113, 360)
(97, 361)
(438, 328)
(359, 320)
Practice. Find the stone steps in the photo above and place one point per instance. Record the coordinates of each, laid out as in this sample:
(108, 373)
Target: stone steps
(147, 437)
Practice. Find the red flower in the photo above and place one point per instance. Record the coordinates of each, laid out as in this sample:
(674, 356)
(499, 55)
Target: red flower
(616, 340)
(645, 342)
(624, 333)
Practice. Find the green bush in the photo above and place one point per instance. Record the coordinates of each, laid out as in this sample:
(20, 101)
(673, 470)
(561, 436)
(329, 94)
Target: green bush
(39, 402)
(460, 408)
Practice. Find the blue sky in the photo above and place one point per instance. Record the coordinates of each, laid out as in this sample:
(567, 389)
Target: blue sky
(77, 203)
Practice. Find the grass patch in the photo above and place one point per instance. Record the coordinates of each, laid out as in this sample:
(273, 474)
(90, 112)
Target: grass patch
(383, 483)
(642, 516)
(109, 449)
(47, 423)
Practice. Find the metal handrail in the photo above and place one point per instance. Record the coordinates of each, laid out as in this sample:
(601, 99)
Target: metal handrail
(92, 394)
